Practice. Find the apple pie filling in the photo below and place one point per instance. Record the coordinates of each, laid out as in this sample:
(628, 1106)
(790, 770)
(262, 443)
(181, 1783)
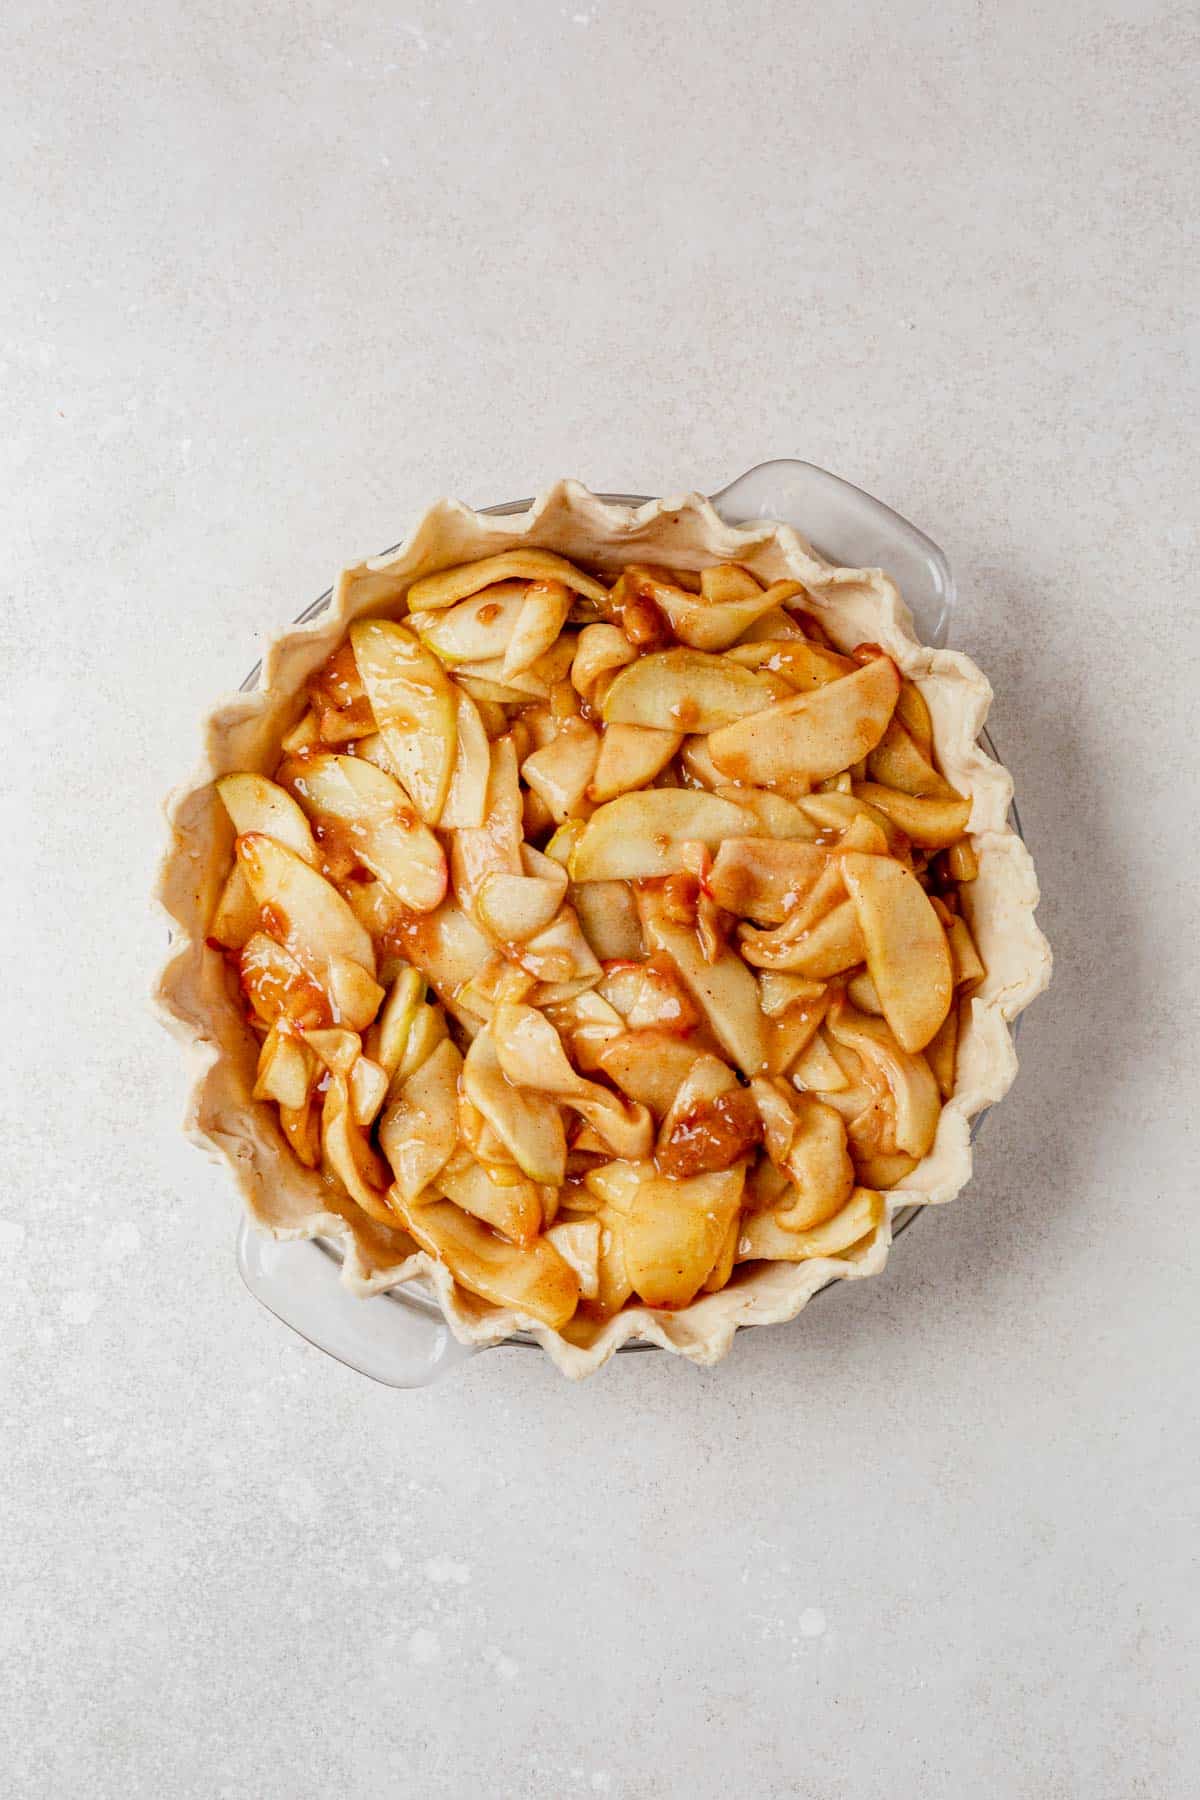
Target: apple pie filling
(604, 937)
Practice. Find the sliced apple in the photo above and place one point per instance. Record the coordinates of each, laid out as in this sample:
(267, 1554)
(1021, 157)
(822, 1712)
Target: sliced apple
(529, 1125)
(543, 615)
(711, 1124)
(413, 701)
(906, 950)
(258, 805)
(301, 1128)
(389, 1033)
(773, 627)
(337, 1048)
(915, 1097)
(913, 713)
(790, 1033)
(433, 592)
(531, 1279)
(763, 1238)
(447, 946)
(630, 757)
(962, 864)
(818, 1070)
(860, 991)
(560, 773)
(686, 690)
(608, 917)
(286, 1069)
(807, 1140)
(780, 993)
(725, 990)
(578, 1243)
(934, 824)
(764, 878)
(811, 735)
(560, 954)
(835, 943)
(705, 623)
(495, 847)
(380, 826)
(513, 1207)
(898, 762)
(699, 769)
(512, 908)
(836, 812)
(722, 1269)
(941, 1053)
(235, 920)
(773, 814)
(276, 985)
(301, 910)
(349, 1155)
(465, 805)
(637, 836)
(964, 957)
(419, 1129)
(491, 695)
(368, 1090)
(476, 630)
(648, 1066)
(882, 1171)
(674, 1232)
(304, 735)
(722, 583)
(600, 650)
(532, 1056)
(804, 666)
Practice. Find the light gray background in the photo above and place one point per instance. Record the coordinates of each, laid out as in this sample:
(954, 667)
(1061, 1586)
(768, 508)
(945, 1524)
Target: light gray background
(274, 277)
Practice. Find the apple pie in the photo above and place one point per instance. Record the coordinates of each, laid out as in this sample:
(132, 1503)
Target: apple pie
(605, 916)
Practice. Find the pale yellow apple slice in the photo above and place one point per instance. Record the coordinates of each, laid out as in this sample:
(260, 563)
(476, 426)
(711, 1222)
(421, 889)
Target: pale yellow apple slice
(532, 1056)
(814, 1156)
(560, 954)
(941, 1053)
(608, 917)
(711, 1124)
(512, 1207)
(962, 863)
(286, 1069)
(543, 615)
(427, 1031)
(818, 1070)
(763, 1238)
(837, 813)
(304, 735)
(495, 846)
(721, 583)
(561, 771)
(829, 947)
(368, 1090)
(916, 1100)
(256, 804)
(705, 623)
(630, 757)
(476, 630)
(465, 805)
(699, 769)
(448, 947)
(790, 1033)
(913, 713)
(648, 1066)
(413, 702)
(686, 690)
(600, 650)
(764, 878)
(860, 991)
(780, 993)
(379, 825)
(529, 1125)
(964, 957)
(389, 1034)
(882, 1171)
(301, 909)
(578, 1243)
(514, 908)
(434, 592)
(907, 954)
(276, 985)
(811, 735)
(934, 824)
(235, 921)
(722, 1269)
(774, 627)
(486, 690)
(419, 1129)
(674, 1232)
(804, 666)
(337, 1048)
(637, 836)
(899, 763)
(349, 1155)
(773, 814)
(531, 1279)
(354, 996)
(725, 990)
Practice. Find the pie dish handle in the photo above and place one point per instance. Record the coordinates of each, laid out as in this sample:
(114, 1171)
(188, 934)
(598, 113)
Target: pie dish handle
(382, 1337)
(852, 529)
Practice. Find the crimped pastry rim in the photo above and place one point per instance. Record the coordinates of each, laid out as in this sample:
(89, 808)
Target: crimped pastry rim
(242, 732)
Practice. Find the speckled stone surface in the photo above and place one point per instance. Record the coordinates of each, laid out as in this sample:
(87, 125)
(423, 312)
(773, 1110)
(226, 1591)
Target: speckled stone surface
(274, 278)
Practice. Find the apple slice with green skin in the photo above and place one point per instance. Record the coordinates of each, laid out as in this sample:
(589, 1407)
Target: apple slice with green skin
(433, 592)
(908, 957)
(687, 690)
(630, 757)
(725, 990)
(562, 770)
(674, 1231)
(513, 1207)
(379, 824)
(532, 1279)
(476, 630)
(413, 701)
(763, 1238)
(541, 618)
(638, 836)
(301, 910)
(419, 1129)
(465, 806)
(529, 1125)
(764, 878)
(932, 823)
(256, 804)
(811, 735)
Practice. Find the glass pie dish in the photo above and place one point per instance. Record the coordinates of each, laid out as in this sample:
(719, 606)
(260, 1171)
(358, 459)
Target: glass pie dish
(401, 1338)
